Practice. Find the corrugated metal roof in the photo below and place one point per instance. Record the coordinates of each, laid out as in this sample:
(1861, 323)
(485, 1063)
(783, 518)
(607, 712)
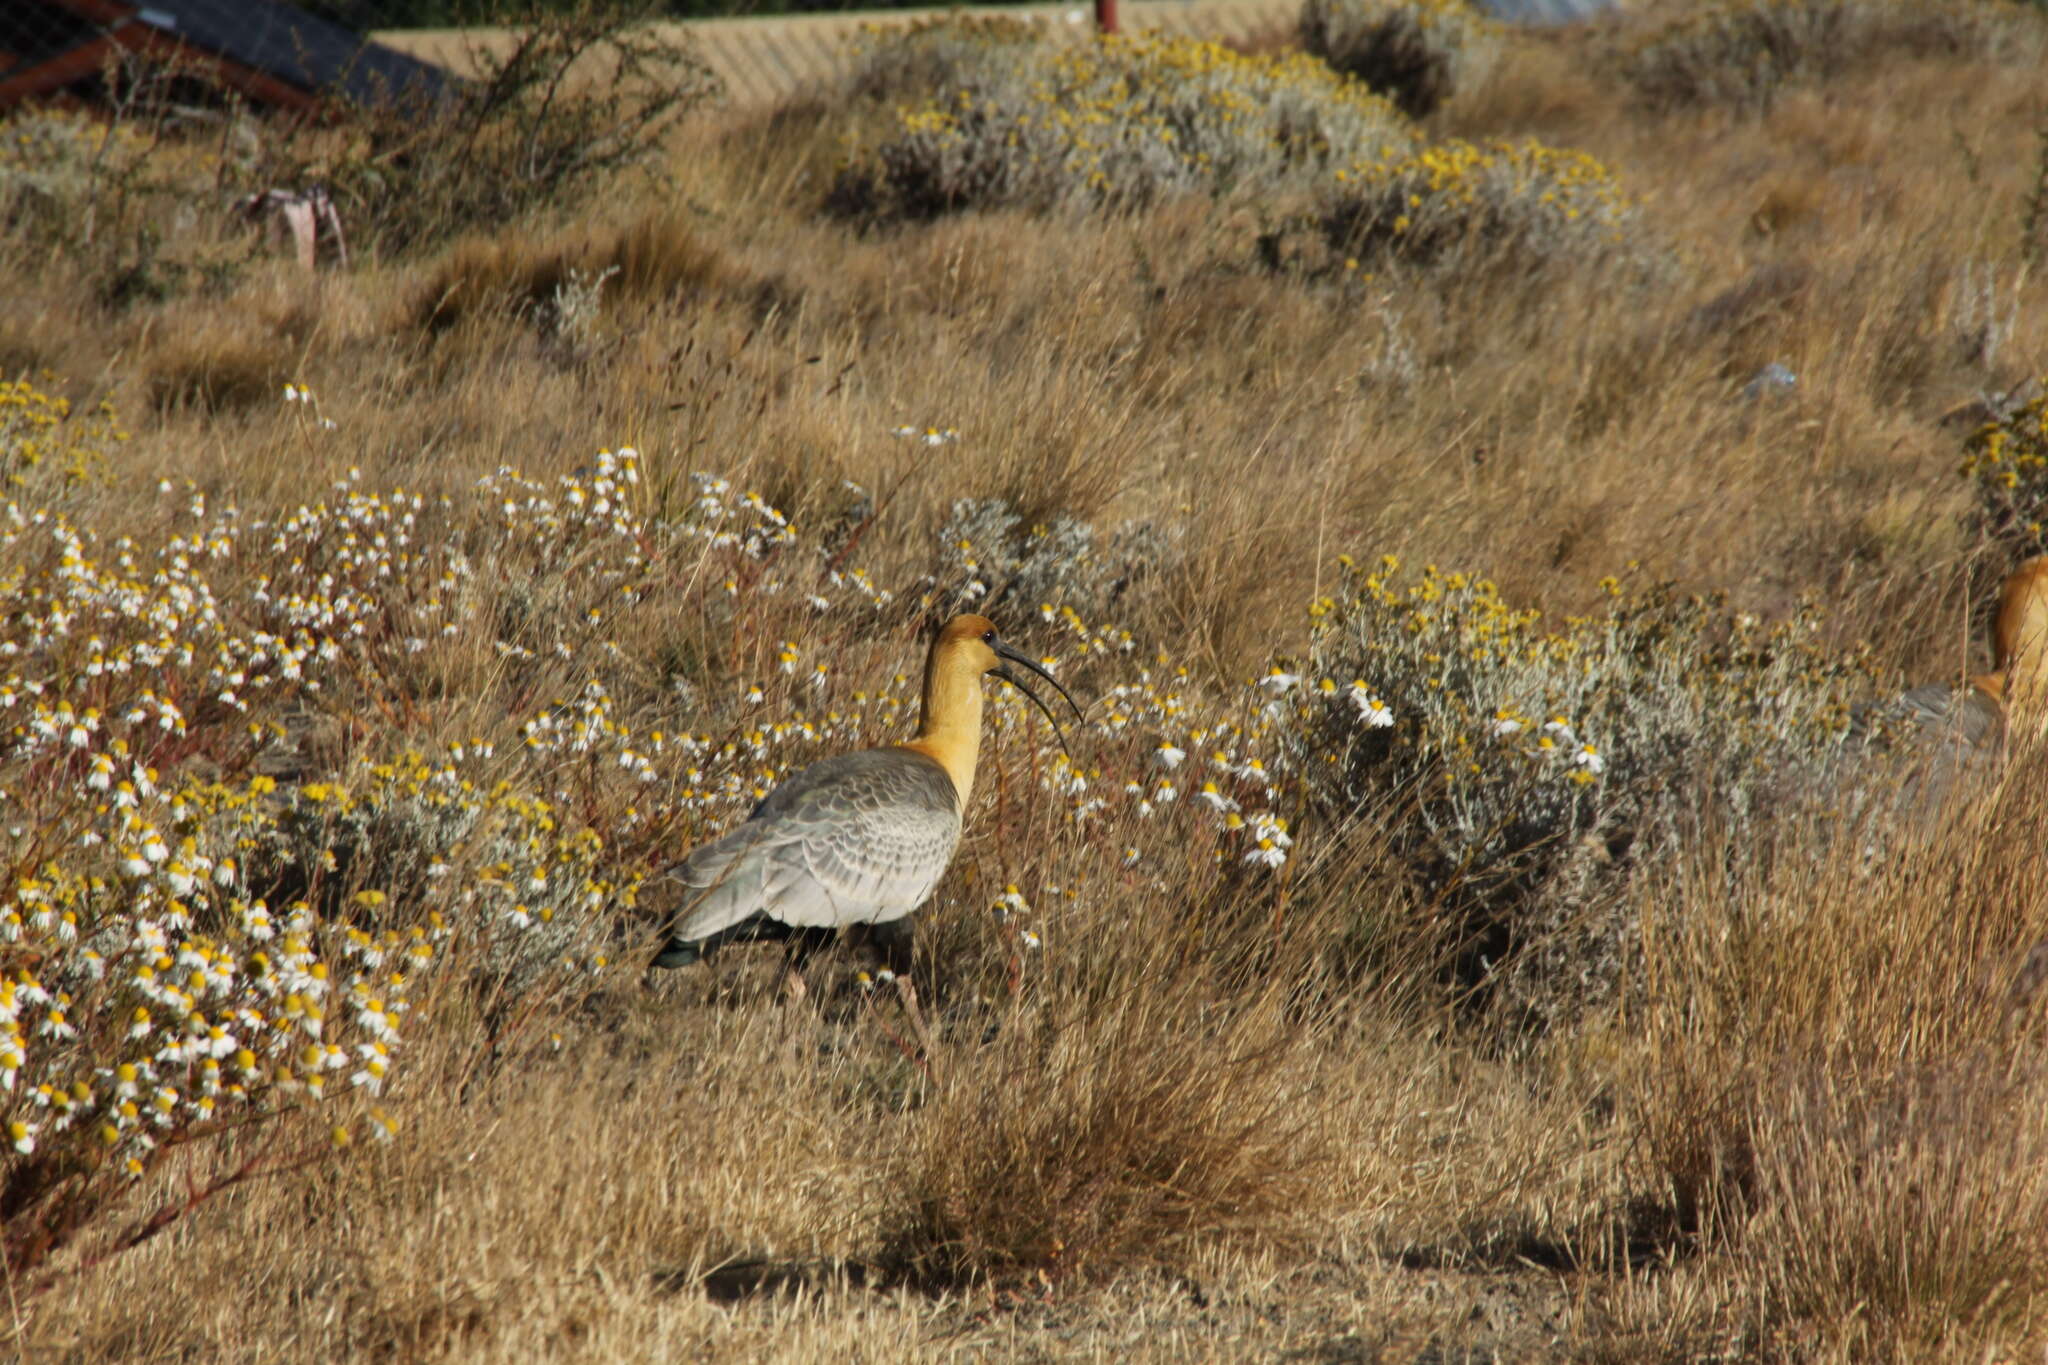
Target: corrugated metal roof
(294, 46)
(275, 39)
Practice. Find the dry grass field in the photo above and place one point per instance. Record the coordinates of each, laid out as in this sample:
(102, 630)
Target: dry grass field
(347, 727)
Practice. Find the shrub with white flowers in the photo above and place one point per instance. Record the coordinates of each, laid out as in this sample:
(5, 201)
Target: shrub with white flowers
(249, 858)
(216, 920)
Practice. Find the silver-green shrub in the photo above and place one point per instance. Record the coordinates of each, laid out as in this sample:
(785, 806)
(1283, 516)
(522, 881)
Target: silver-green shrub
(989, 556)
(1746, 52)
(1519, 769)
(1418, 53)
(1110, 122)
(910, 62)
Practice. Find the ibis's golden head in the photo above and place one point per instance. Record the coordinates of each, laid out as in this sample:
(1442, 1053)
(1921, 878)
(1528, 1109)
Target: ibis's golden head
(949, 730)
(969, 645)
(971, 640)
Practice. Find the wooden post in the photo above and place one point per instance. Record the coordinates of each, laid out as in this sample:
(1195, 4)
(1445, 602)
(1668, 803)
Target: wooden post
(1105, 16)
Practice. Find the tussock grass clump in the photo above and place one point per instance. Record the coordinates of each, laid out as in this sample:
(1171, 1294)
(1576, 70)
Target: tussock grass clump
(1113, 122)
(1844, 1083)
(2007, 460)
(1745, 53)
(1524, 769)
(1418, 53)
(1084, 1155)
(1460, 202)
(655, 256)
(218, 369)
(1099, 1136)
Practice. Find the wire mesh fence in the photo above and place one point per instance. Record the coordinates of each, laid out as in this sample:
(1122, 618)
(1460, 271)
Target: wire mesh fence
(276, 54)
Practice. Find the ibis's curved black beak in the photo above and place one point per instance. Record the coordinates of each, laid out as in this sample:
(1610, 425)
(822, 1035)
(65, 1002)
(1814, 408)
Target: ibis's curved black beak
(1002, 670)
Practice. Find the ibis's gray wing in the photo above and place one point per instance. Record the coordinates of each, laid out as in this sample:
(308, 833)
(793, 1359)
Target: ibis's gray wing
(855, 839)
(1958, 715)
(1929, 745)
(1933, 717)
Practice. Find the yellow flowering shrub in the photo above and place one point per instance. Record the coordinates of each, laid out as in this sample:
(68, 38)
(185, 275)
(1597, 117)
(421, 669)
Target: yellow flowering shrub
(1418, 53)
(1519, 767)
(42, 438)
(2008, 462)
(910, 61)
(49, 161)
(1111, 122)
(120, 193)
(1454, 200)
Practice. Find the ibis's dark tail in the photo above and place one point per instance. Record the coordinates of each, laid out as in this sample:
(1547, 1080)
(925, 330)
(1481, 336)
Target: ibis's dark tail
(754, 928)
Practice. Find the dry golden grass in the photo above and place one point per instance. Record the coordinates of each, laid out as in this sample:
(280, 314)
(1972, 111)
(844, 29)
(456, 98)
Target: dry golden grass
(1220, 1114)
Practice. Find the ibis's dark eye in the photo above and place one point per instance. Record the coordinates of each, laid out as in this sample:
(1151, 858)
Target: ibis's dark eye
(988, 637)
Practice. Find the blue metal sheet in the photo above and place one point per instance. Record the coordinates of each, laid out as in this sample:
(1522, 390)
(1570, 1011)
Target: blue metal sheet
(1548, 12)
(294, 46)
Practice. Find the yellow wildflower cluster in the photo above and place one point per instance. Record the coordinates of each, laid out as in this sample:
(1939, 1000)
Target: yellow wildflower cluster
(482, 862)
(40, 432)
(1113, 121)
(49, 150)
(1454, 198)
(888, 46)
(54, 164)
(2008, 461)
(1511, 738)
